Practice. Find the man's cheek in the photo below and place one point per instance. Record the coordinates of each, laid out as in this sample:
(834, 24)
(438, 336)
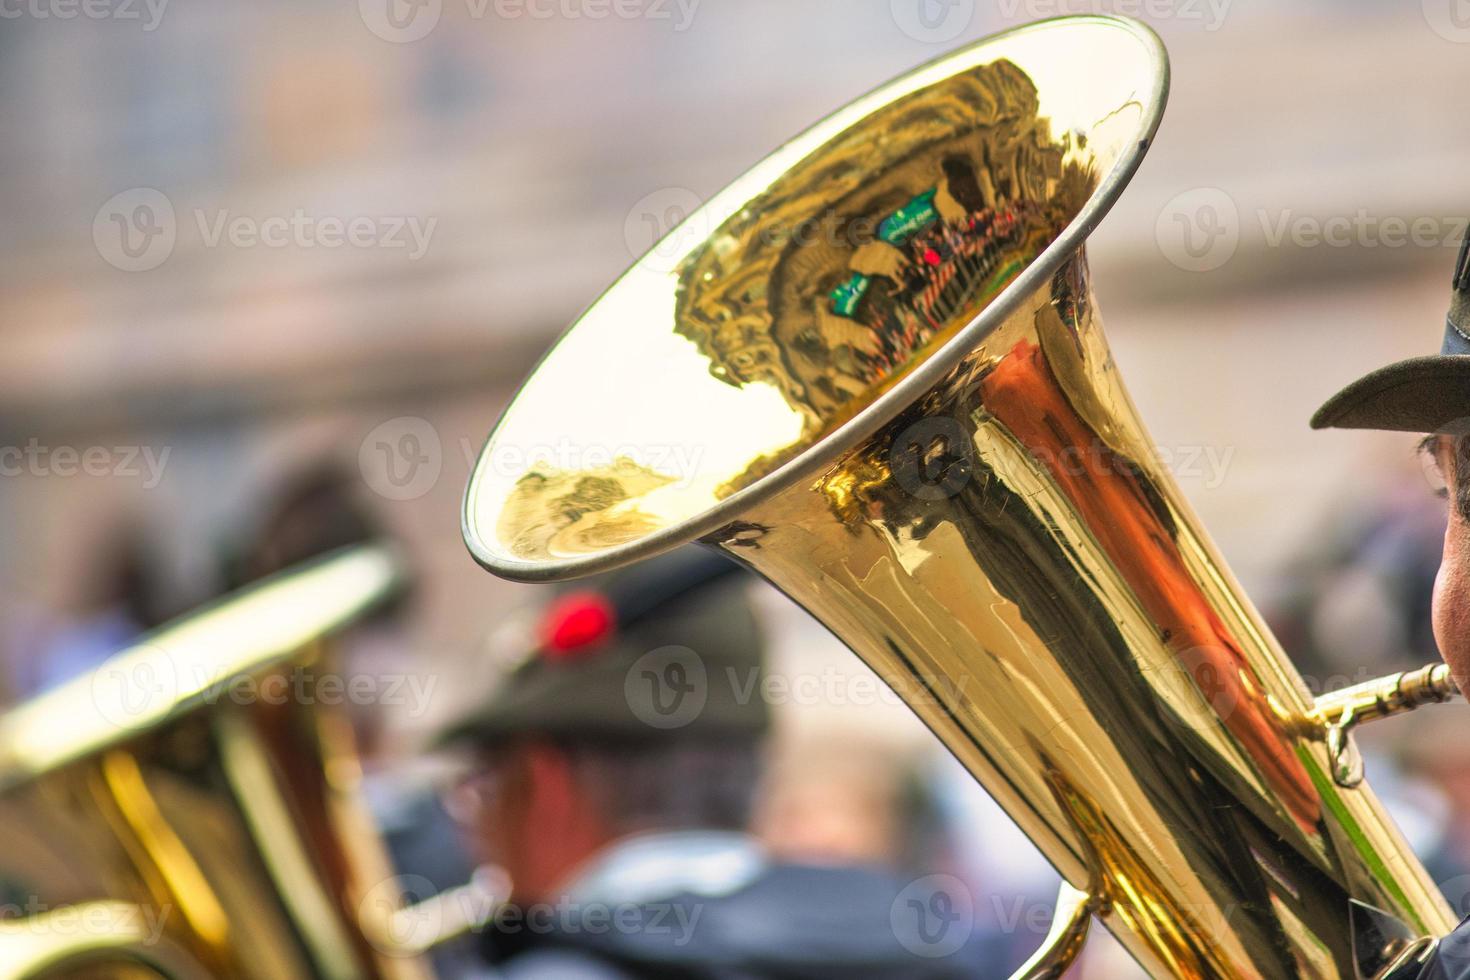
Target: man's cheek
(1451, 608)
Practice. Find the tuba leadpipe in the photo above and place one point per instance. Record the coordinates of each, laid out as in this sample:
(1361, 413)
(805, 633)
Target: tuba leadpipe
(873, 370)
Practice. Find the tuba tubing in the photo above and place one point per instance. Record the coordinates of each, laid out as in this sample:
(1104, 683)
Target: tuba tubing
(165, 824)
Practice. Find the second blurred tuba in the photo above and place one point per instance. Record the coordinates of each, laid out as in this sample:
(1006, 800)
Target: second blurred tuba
(189, 811)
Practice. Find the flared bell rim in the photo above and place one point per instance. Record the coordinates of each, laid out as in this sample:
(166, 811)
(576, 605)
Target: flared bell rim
(188, 664)
(883, 409)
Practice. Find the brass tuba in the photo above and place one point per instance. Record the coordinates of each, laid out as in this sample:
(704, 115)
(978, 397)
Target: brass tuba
(872, 370)
(190, 810)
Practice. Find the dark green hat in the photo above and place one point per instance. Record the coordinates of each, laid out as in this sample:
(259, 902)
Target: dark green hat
(1422, 394)
(670, 645)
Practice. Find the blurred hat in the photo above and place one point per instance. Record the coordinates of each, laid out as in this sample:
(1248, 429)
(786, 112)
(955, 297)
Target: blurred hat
(669, 645)
(1422, 394)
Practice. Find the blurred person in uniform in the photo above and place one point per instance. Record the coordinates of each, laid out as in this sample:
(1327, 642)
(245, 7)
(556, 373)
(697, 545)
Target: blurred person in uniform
(1432, 395)
(613, 778)
(840, 797)
(118, 602)
(854, 797)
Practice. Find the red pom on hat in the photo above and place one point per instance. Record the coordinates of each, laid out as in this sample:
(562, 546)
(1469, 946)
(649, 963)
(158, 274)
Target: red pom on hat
(576, 623)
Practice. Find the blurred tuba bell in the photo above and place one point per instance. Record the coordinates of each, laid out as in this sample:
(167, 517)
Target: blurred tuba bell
(190, 810)
(872, 370)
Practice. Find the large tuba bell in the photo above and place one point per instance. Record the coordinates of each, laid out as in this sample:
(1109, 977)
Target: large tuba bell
(190, 810)
(873, 370)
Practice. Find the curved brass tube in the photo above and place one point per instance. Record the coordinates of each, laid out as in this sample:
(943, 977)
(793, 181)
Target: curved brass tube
(1063, 944)
(1383, 697)
(201, 789)
(1335, 715)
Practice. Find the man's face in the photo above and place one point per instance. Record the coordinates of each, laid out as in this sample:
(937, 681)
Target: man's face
(1452, 587)
(531, 818)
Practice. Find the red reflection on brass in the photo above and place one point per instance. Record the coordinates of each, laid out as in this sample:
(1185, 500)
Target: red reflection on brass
(1105, 489)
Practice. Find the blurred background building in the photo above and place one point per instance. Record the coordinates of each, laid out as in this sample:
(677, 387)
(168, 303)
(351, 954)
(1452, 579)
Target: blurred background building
(237, 239)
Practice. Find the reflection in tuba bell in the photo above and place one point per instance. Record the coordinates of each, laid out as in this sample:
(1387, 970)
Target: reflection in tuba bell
(880, 355)
(160, 824)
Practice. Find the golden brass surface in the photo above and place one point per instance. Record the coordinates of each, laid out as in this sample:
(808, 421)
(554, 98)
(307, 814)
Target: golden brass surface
(873, 370)
(190, 810)
(1070, 924)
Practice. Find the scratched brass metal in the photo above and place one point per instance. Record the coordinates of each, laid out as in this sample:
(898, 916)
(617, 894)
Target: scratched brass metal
(873, 370)
(159, 819)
